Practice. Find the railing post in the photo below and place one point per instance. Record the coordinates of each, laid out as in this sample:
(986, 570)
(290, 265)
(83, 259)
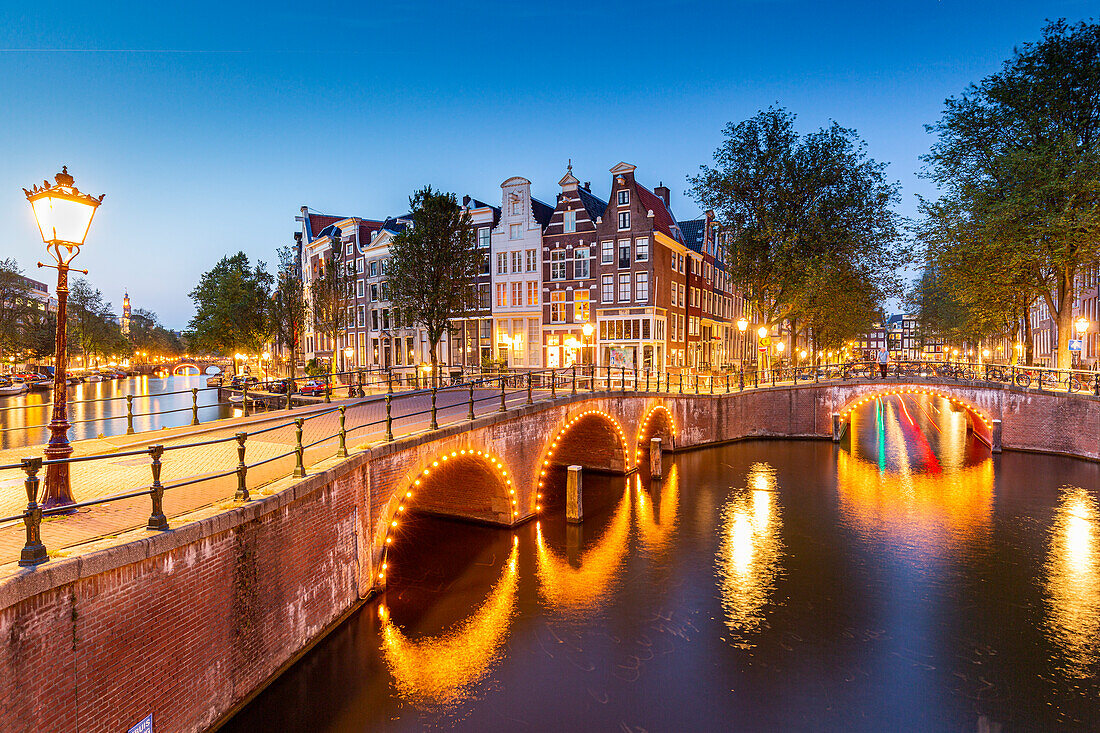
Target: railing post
(609, 378)
(1096, 385)
(342, 451)
(299, 468)
(157, 520)
(470, 416)
(668, 382)
(34, 551)
(647, 379)
(503, 406)
(680, 381)
(658, 381)
(328, 388)
(129, 414)
(622, 378)
(711, 378)
(389, 418)
(727, 383)
(359, 381)
(696, 383)
(242, 469)
(755, 378)
(553, 385)
(529, 400)
(434, 425)
(290, 385)
(194, 405)
(741, 379)
(635, 379)
(574, 379)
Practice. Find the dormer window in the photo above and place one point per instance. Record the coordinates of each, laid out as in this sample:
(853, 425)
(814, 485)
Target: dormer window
(624, 197)
(569, 222)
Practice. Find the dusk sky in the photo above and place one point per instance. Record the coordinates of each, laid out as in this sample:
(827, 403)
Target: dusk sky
(207, 125)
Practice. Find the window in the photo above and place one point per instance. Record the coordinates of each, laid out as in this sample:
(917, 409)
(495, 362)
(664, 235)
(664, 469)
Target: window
(374, 320)
(674, 292)
(557, 264)
(517, 261)
(532, 260)
(607, 253)
(641, 249)
(385, 289)
(383, 266)
(359, 288)
(532, 292)
(362, 317)
(580, 306)
(641, 289)
(359, 265)
(624, 253)
(580, 263)
(502, 294)
(515, 231)
(569, 222)
(624, 287)
(374, 268)
(385, 319)
(486, 299)
(517, 293)
(624, 220)
(681, 294)
(517, 207)
(502, 263)
(374, 292)
(348, 249)
(484, 263)
(624, 197)
(557, 306)
(483, 237)
(607, 287)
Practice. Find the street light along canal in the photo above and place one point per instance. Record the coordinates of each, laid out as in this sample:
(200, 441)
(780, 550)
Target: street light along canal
(905, 580)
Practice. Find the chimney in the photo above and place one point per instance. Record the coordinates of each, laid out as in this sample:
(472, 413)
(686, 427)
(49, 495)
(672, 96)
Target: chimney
(588, 186)
(663, 192)
(466, 200)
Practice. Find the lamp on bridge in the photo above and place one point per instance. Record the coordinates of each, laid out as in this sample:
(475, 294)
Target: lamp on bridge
(64, 216)
(742, 326)
(588, 329)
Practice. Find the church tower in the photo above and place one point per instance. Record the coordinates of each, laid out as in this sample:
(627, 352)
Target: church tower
(126, 314)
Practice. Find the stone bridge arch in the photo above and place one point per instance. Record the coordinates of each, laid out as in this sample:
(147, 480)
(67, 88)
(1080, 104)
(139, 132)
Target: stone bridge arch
(657, 423)
(985, 427)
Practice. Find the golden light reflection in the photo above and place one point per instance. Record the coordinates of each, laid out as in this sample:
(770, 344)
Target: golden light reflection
(445, 670)
(656, 520)
(749, 552)
(1073, 582)
(583, 589)
(922, 510)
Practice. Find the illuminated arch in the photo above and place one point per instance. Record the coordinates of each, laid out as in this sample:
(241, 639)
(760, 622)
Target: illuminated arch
(548, 453)
(845, 412)
(652, 418)
(178, 369)
(399, 502)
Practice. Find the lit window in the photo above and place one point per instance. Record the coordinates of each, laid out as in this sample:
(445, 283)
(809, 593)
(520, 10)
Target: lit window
(532, 292)
(517, 293)
(580, 306)
(557, 306)
(502, 294)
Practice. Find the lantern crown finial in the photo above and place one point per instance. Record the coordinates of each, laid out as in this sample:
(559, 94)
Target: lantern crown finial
(63, 178)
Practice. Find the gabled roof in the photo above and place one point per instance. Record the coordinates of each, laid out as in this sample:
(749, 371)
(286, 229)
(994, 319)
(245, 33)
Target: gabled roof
(318, 222)
(542, 212)
(693, 231)
(397, 224)
(478, 204)
(663, 220)
(594, 205)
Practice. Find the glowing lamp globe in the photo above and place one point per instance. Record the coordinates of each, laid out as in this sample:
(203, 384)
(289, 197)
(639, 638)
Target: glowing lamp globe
(742, 324)
(1082, 325)
(779, 347)
(762, 331)
(587, 329)
(348, 351)
(63, 213)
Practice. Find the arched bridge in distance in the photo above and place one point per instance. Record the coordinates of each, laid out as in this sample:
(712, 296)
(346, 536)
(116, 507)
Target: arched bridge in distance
(184, 366)
(495, 469)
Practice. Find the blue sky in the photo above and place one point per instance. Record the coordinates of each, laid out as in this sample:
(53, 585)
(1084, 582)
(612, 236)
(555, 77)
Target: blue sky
(209, 124)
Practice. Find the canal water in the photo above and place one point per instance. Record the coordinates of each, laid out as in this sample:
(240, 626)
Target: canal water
(904, 580)
(99, 408)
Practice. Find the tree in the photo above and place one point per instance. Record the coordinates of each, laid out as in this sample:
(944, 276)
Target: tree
(232, 308)
(13, 298)
(39, 334)
(288, 306)
(433, 265)
(330, 294)
(91, 322)
(802, 213)
(1018, 160)
(149, 336)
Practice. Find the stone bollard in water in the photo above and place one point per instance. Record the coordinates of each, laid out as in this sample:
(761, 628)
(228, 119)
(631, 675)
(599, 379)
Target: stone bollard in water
(574, 504)
(655, 468)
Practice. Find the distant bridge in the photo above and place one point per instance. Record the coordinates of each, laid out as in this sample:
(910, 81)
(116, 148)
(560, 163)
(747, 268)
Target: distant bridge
(184, 365)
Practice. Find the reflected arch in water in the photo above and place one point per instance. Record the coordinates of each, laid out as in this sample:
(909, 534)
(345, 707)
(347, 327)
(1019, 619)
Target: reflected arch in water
(181, 370)
(592, 439)
(1072, 582)
(468, 483)
(658, 423)
(444, 671)
(655, 512)
(577, 591)
(982, 422)
(749, 553)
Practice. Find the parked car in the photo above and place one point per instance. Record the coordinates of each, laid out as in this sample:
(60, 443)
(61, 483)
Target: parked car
(314, 387)
(282, 386)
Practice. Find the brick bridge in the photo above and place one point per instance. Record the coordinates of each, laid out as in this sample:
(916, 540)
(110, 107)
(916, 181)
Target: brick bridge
(254, 585)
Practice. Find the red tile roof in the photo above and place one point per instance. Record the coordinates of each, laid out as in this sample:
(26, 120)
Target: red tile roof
(317, 222)
(663, 220)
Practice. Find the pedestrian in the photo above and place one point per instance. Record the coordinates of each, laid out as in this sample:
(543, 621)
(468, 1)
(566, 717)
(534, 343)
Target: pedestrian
(883, 361)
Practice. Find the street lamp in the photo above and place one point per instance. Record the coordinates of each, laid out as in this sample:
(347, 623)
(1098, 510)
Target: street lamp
(742, 325)
(64, 215)
(588, 329)
(1082, 325)
(348, 353)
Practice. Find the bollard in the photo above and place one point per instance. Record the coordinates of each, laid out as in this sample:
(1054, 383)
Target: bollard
(389, 381)
(194, 405)
(503, 407)
(553, 385)
(342, 451)
(680, 381)
(995, 437)
(328, 388)
(242, 469)
(34, 552)
(157, 520)
(129, 414)
(668, 382)
(529, 380)
(434, 425)
(299, 468)
(471, 415)
(658, 381)
(574, 379)
(655, 469)
(836, 427)
(389, 419)
(574, 502)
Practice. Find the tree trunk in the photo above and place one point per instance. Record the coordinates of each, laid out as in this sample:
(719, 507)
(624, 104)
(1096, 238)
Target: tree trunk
(435, 363)
(1065, 330)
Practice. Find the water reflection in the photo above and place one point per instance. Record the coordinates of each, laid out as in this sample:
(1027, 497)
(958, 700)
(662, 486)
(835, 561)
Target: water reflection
(578, 591)
(655, 513)
(444, 671)
(1073, 582)
(749, 553)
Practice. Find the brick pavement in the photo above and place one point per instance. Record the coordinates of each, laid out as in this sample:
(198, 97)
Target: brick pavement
(116, 475)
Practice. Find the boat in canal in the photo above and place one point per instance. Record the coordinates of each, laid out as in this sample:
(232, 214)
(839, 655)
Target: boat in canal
(11, 386)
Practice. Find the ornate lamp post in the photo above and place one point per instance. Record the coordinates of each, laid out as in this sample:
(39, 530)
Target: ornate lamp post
(64, 215)
(742, 325)
(1082, 325)
(348, 353)
(588, 329)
